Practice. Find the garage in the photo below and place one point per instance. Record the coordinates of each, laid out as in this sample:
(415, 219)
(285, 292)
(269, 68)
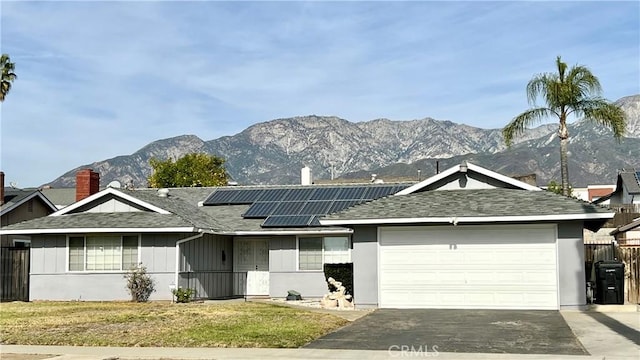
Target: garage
(468, 267)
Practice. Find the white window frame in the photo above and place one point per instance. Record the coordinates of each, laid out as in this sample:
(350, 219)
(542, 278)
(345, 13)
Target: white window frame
(298, 237)
(84, 263)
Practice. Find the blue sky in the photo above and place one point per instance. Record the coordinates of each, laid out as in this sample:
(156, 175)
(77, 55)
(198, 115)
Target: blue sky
(102, 79)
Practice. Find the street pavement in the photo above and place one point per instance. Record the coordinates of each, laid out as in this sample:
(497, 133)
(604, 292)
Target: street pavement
(604, 335)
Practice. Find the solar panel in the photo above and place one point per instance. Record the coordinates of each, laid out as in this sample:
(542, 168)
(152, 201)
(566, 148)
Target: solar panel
(248, 196)
(352, 193)
(638, 177)
(288, 208)
(220, 197)
(298, 194)
(274, 194)
(299, 206)
(376, 192)
(288, 221)
(316, 207)
(260, 210)
(325, 193)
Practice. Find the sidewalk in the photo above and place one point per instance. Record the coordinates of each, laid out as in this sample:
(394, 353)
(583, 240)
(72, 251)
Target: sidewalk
(610, 335)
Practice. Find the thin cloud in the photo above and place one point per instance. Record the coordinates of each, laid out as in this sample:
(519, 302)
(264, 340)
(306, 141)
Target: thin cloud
(101, 79)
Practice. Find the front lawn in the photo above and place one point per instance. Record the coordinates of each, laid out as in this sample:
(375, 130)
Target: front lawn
(225, 324)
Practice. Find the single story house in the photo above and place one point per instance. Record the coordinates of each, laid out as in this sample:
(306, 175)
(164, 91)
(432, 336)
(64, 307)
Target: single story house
(465, 238)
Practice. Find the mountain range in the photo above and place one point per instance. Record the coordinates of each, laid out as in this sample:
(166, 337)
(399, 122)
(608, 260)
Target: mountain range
(273, 152)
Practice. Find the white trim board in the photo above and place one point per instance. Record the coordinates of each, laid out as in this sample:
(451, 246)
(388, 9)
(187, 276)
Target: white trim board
(469, 219)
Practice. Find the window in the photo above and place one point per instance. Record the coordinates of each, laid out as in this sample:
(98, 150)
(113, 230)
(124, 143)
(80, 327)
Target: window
(21, 243)
(313, 252)
(103, 252)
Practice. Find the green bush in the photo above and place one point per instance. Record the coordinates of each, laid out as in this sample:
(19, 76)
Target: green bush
(183, 295)
(139, 283)
(342, 273)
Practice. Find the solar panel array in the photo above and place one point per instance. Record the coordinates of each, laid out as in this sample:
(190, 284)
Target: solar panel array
(638, 177)
(298, 206)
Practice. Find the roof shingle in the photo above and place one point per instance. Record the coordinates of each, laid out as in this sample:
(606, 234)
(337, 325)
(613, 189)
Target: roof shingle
(468, 203)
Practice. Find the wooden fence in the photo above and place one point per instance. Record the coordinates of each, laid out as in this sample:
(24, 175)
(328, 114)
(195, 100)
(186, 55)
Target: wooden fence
(628, 255)
(14, 274)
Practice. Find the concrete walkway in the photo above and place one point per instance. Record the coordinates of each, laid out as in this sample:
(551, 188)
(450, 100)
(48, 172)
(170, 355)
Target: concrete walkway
(610, 335)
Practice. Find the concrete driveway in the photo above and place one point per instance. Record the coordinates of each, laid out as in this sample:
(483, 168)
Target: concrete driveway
(469, 331)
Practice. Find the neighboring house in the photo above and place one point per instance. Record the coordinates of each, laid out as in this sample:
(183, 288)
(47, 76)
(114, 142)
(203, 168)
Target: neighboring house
(60, 197)
(626, 196)
(465, 238)
(18, 205)
(593, 192)
(624, 200)
(628, 234)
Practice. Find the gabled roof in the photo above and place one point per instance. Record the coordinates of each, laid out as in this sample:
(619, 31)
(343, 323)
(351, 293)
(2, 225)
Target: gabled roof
(13, 198)
(469, 206)
(75, 207)
(61, 197)
(468, 169)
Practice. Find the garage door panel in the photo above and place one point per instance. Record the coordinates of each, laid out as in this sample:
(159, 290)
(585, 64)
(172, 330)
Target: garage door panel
(430, 275)
(481, 299)
(474, 267)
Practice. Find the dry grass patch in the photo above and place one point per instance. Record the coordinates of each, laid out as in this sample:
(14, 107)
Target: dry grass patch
(234, 324)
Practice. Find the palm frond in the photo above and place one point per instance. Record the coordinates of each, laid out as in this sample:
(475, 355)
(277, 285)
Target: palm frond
(606, 114)
(521, 122)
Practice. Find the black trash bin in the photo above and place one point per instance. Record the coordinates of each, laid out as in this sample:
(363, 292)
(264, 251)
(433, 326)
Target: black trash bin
(609, 282)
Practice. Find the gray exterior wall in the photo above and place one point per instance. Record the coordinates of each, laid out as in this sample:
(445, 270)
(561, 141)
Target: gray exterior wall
(571, 273)
(365, 266)
(284, 275)
(50, 280)
(203, 268)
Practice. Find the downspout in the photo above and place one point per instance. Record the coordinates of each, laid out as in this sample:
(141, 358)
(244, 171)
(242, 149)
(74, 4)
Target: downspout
(178, 254)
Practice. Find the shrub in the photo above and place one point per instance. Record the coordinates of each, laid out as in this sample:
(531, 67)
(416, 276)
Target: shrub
(139, 283)
(342, 273)
(183, 295)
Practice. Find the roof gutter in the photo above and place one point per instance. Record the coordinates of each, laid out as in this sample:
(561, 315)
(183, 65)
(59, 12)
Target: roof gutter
(468, 219)
(97, 230)
(287, 232)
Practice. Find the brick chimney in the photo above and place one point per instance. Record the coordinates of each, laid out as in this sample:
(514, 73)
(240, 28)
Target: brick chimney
(87, 183)
(1, 188)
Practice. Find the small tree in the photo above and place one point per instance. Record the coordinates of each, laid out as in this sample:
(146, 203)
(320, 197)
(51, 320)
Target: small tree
(139, 283)
(556, 188)
(190, 170)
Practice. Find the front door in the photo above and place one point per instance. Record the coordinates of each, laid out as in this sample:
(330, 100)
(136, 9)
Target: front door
(252, 257)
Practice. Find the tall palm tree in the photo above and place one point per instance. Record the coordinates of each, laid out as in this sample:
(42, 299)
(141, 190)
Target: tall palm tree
(8, 75)
(575, 91)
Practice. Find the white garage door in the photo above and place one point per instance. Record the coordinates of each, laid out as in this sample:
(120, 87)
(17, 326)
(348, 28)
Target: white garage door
(475, 267)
